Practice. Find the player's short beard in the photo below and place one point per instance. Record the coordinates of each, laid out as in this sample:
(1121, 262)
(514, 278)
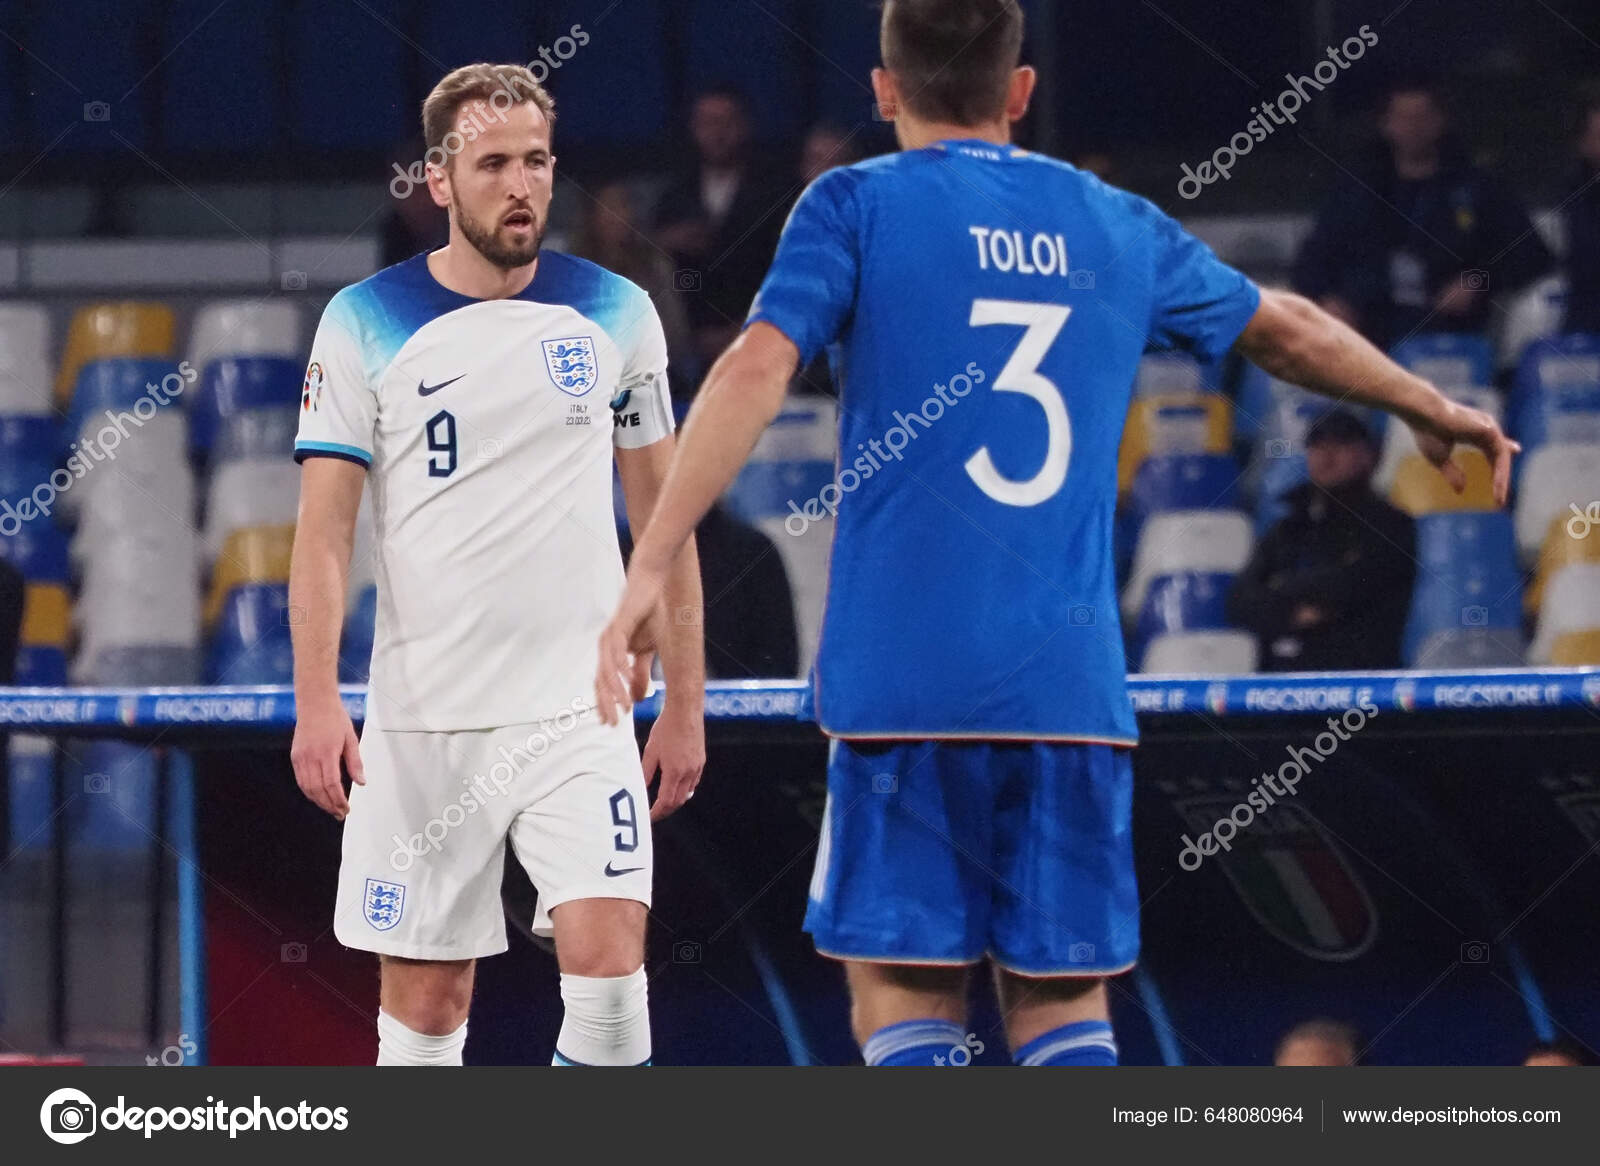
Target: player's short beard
(486, 241)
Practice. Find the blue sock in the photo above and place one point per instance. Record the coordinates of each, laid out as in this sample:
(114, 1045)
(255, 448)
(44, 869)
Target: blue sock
(1088, 1042)
(914, 1042)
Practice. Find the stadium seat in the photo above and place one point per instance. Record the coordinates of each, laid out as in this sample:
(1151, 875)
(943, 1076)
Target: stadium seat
(148, 506)
(144, 666)
(1168, 373)
(41, 666)
(1451, 360)
(1467, 577)
(116, 810)
(151, 463)
(1556, 394)
(116, 385)
(1575, 649)
(256, 435)
(1254, 403)
(355, 651)
(1399, 442)
(1534, 313)
(46, 615)
(39, 551)
(1214, 541)
(1188, 601)
(128, 328)
(1185, 481)
(137, 598)
(1572, 538)
(251, 643)
(29, 451)
(1555, 480)
(1571, 607)
(1201, 653)
(234, 328)
(231, 385)
(25, 356)
(1173, 423)
(246, 494)
(257, 554)
(1472, 648)
(1420, 489)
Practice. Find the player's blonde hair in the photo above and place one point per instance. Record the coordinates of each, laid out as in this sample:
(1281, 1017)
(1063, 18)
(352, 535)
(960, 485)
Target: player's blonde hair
(500, 87)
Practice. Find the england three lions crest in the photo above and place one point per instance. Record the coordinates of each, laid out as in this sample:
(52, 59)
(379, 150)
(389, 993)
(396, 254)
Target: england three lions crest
(572, 364)
(384, 904)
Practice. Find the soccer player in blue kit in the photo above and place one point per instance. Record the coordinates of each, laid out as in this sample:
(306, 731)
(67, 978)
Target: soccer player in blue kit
(985, 309)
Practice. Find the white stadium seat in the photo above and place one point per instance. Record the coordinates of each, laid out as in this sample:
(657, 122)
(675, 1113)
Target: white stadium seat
(1201, 653)
(1555, 478)
(1535, 313)
(249, 493)
(152, 461)
(245, 328)
(27, 376)
(1571, 604)
(1187, 540)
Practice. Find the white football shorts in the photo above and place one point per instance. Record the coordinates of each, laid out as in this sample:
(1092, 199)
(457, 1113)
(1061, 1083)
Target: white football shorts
(424, 842)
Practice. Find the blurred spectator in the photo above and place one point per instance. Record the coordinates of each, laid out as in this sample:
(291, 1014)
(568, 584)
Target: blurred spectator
(414, 223)
(612, 236)
(825, 147)
(1548, 1053)
(1582, 213)
(1329, 586)
(720, 220)
(1319, 1042)
(1423, 238)
(750, 625)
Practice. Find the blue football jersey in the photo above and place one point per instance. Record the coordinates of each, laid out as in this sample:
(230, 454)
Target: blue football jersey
(984, 309)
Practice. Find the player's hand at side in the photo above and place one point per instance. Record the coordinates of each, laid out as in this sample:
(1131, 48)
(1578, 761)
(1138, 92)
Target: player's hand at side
(626, 647)
(1463, 425)
(323, 737)
(677, 747)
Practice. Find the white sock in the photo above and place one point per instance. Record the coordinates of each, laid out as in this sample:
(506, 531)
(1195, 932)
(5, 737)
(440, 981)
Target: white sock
(398, 1045)
(607, 1021)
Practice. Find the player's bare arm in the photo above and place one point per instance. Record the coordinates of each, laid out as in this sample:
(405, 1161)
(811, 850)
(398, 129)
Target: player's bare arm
(330, 495)
(677, 742)
(742, 394)
(1295, 340)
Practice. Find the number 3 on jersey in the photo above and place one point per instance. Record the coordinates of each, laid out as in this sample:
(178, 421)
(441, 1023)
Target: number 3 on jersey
(1021, 375)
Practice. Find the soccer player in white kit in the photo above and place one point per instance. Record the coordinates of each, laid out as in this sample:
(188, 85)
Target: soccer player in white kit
(479, 392)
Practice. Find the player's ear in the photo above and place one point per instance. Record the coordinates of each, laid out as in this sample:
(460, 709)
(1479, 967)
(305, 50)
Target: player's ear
(885, 93)
(1020, 92)
(439, 184)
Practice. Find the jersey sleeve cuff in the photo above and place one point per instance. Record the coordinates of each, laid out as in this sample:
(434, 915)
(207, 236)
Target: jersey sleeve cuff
(333, 449)
(793, 335)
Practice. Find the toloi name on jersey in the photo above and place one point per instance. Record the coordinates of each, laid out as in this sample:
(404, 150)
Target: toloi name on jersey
(1005, 250)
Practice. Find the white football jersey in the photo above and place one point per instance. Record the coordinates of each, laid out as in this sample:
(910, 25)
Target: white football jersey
(487, 427)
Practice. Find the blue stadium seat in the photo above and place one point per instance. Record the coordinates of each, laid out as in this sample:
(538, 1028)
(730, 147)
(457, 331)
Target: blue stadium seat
(1451, 360)
(28, 452)
(1188, 601)
(39, 551)
(340, 57)
(41, 666)
(251, 642)
(222, 87)
(234, 384)
(1185, 481)
(1253, 403)
(355, 653)
(111, 792)
(1555, 397)
(1467, 577)
(115, 385)
(87, 54)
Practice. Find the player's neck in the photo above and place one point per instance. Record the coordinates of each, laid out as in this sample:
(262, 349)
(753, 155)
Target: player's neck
(918, 135)
(460, 267)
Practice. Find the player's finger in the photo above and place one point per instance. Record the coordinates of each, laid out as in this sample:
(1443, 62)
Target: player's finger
(605, 680)
(639, 678)
(352, 757)
(1453, 474)
(650, 759)
(333, 788)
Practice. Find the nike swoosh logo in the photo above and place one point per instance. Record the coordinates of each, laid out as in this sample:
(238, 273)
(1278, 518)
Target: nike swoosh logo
(427, 390)
(611, 874)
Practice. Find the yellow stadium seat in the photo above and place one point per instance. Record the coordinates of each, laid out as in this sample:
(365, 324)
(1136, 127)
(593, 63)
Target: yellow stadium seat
(1173, 423)
(1420, 489)
(46, 616)
(101, 331)
(256, 554)
(1575, 648)
(1559, 549)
